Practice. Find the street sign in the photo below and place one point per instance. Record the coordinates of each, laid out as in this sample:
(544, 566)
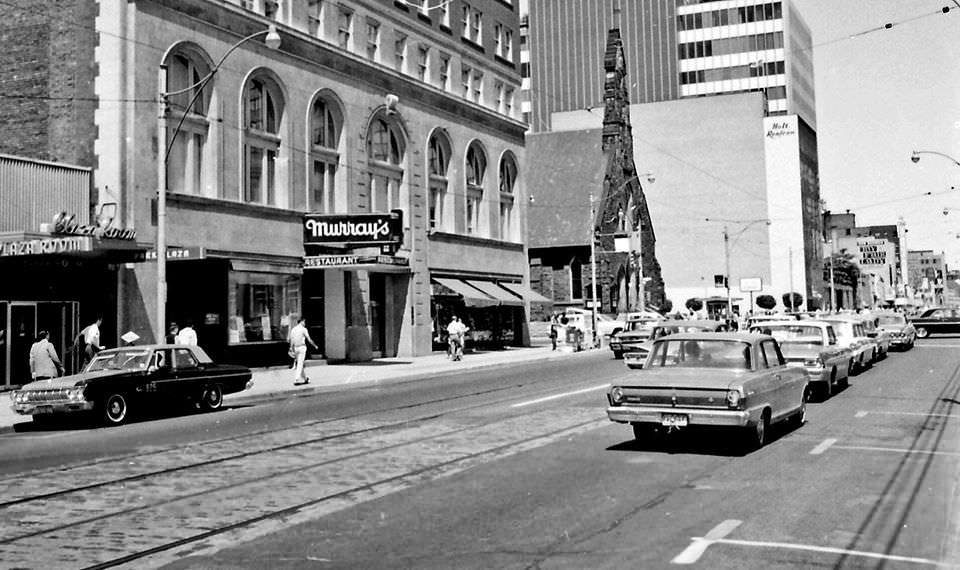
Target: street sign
(749, 284)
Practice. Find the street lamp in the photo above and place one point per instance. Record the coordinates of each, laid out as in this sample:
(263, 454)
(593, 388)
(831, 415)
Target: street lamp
(726, 252)
(272, 41)
(915, 157)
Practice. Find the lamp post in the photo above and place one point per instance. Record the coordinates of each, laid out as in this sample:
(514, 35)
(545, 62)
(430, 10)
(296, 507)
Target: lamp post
(726, 251)
(915, 157)
(272, 41)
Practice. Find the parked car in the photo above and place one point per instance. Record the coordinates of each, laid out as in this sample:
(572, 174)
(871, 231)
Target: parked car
(638, 330)
(936, 320)
(636, 353)
(880, 336)
(850, 334)
(735, 380)
(120, 381)
(903, 335)
(608, 326)
(813, 346)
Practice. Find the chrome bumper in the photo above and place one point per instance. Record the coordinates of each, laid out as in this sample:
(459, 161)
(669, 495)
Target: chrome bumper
(695, 416)
(58, 407)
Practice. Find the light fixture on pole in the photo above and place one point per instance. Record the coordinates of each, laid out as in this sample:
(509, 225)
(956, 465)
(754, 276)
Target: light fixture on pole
(272, 41)
(726, 251)
(915, 157)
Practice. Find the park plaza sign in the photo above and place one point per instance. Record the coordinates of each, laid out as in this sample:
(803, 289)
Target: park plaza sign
(353, 229)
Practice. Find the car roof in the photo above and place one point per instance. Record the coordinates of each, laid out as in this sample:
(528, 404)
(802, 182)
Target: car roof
(723, 336)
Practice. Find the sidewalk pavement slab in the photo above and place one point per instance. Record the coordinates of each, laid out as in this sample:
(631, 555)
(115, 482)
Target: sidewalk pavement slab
(277, 382)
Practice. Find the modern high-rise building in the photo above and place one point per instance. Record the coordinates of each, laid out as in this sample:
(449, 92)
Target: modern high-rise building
(675, 49)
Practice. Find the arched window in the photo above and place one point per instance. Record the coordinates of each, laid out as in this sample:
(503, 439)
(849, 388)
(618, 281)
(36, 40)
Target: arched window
(508, 179)
(385, 152)
(190, 168)
(476, 169)
(326, 124)
(262, 116)
(438, 163)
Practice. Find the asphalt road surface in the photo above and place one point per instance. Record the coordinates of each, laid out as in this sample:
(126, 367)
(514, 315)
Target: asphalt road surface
(509, 468)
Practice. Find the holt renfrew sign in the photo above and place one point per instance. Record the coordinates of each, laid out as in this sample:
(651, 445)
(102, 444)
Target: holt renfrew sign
(353, 229)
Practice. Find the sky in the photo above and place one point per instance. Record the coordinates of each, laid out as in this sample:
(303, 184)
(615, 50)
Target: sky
(880, 96)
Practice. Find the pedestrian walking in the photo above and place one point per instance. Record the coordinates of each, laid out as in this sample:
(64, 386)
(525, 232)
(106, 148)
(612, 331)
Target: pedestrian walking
(554, 333)
(299, 338)
(187, 336)
(456, 332)
(44, 362)
(172, 334)
(91, 340)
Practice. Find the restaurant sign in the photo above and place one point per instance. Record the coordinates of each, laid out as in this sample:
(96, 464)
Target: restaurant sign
(68, 225)
(350, 261)
(44, 246)
(353, 229)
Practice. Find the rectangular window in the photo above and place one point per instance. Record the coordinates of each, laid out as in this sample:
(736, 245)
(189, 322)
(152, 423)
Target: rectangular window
(344, 28)
(315, 17)
(423, 60)
(476, 26)
(443, 76)
(373, 39)
(253, 191)
(508, 44)
(465, 21)
(505, 221)
(465, 74)
(498, 95)
(498, 40)
(444, 14)
(261, 306)
(322, 185)
(477, 86)
(508, 102)
(399, 52)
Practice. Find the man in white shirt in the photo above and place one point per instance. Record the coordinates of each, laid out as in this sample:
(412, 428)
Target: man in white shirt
(299, 337)
(91, 340)
(187, 336)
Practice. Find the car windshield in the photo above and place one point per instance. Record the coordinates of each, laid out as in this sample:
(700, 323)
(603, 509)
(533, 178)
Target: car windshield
(640, 326)
(133, 359)
(792, 334)
(843, 328)
(730, 354)
(891, 320)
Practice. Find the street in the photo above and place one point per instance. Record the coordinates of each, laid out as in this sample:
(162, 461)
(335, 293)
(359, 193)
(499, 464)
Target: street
(507, 468)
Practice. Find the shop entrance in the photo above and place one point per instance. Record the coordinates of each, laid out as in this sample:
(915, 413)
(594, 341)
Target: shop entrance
(313, 309)
(378, 325)
(20, 321)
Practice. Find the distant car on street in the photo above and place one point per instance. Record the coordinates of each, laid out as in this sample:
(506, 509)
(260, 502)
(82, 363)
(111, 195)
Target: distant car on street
(936, 320)
(121, 381)
(732, 380)
(812, 346)
(634, 354)
(851, 334)
(638, 330)
(903, 335)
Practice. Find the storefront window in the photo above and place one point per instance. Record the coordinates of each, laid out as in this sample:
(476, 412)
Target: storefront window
(263, 306)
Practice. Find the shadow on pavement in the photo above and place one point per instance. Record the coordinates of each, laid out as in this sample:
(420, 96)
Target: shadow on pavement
(703, 441)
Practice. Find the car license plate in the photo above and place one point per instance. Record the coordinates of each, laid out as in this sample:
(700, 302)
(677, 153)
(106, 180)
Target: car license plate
(673, 420)
(43, 409)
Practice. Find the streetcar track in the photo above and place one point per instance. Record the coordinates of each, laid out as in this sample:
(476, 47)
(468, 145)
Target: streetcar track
(253, 435)
(241, 483)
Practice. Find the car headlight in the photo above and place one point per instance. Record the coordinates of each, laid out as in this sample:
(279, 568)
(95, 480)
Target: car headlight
(14, 396)
(616, 395)
(813, 363)
(75, 394)
(734, 398)
(19, 397)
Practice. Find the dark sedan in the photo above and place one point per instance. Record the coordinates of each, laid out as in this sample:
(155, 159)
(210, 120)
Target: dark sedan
(937, 320)
(121, 380)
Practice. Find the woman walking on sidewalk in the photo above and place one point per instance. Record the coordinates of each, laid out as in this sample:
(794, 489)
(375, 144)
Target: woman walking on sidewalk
(299, 337)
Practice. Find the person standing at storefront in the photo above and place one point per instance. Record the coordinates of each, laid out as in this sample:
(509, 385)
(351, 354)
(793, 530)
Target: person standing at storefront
(171, 337)
(91, 339)
(187, 336)
(44, 362)
(299, 337)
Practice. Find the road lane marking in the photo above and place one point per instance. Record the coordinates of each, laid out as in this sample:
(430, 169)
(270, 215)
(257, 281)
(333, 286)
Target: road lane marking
(896, 450)
(833, 550)
(558, 396)
(695, 550)
(926, 345)
(823, 446)
(863, 413)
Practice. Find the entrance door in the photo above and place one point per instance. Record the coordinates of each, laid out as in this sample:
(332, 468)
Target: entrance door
(378, 302)
(4, 346)
(23, 332)
(313, 311)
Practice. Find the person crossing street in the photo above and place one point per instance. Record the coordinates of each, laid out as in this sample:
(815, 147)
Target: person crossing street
(299, 337)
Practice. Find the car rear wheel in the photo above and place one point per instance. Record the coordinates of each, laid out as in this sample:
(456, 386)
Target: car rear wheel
(647, 433)
(618, 354)
(756, 436)
(922, 332)
(114, 409)
(212, 398)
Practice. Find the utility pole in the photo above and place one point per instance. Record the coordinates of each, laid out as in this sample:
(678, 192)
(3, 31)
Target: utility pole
(791, 281)
(833, 288)
(593, 267)
(726, 277)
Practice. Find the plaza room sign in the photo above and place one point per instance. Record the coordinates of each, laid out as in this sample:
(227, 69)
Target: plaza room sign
(353, 229)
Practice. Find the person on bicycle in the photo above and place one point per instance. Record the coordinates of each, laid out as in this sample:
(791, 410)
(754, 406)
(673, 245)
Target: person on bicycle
(456, 331)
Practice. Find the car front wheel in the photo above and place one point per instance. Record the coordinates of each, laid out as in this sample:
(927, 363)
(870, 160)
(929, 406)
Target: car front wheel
(212, 398)
(114, 409)
(922, 332)
(618, 354)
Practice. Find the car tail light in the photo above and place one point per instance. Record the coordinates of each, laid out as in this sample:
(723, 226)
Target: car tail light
(813, 363)
(734, 397)
(616, 395)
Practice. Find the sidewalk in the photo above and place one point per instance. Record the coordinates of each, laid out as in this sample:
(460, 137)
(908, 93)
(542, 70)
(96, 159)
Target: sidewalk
(277, 382)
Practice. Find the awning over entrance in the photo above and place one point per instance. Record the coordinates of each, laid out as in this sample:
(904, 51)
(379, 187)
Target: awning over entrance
(471, 297)
(497, 293)
(525, 292)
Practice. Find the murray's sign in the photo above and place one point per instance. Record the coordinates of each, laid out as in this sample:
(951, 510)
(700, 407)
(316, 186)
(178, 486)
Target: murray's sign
(353, 229)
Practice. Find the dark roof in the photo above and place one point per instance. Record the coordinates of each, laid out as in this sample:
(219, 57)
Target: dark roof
(564, 167)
